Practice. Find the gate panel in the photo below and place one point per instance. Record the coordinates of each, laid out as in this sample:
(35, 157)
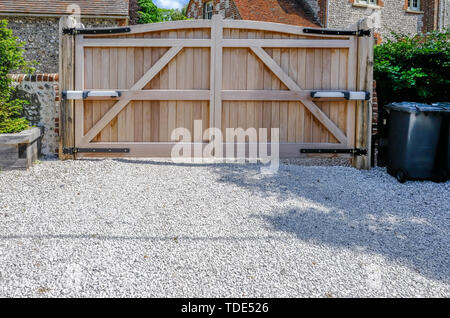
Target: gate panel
(229, 74)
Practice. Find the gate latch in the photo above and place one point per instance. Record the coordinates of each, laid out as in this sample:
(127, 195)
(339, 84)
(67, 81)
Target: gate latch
(355, 151)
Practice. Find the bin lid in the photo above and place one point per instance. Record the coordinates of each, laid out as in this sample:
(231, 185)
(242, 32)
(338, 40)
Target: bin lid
(446, 105)
(411, 107)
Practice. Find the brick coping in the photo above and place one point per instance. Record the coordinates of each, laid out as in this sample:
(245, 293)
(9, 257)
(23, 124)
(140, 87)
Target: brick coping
(45, 77)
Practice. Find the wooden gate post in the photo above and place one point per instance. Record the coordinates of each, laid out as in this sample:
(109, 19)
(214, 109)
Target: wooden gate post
(66, 82)
(363, 138)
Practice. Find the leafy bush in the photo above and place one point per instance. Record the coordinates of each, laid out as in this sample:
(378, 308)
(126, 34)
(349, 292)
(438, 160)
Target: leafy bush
(150, 13)
(11, 59)
(413, 68)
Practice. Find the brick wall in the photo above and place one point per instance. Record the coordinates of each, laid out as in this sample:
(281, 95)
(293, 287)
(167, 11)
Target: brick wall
(226, 8)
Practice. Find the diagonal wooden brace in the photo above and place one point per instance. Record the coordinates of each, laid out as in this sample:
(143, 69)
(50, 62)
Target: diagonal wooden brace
(140, 84)
(292, 85)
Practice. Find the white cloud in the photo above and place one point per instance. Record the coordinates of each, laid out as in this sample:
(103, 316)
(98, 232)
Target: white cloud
(171, 4)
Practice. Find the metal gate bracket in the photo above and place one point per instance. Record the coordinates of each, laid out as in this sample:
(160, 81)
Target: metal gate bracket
(355, 151)
(72, 151)
(337, 32)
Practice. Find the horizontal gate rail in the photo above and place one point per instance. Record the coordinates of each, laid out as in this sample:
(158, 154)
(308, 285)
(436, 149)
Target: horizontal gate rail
(229, 95)
(146, 42)
(282, 43)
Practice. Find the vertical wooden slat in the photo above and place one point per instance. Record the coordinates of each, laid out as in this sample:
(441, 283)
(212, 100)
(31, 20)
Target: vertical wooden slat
(114, 84)
(275, 115)
(343, 84)
(155, 105)
(352, 59)
(292, 114)
(301, 80)
(242, 80)
(216, 75)
(88, 83)
(129, 110)
(138, 105)
(206, 69)
(164, 110)
(334, 85)
(79, 85)
(180, 68)
(251, 84)
(147, 105)
(260, 79)
(122, 84)
(105, 135)
(318, 70)
(226, 83)
(96, 84)
(189, 84)
(309, 85)
(172, 105)
(326, 84)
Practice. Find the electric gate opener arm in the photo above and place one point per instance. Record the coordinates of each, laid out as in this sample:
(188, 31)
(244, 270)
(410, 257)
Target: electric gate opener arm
(86, 94)
(348, 95)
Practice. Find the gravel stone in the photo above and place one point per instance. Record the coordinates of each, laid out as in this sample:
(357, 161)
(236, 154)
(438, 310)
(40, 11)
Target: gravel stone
(151, 228)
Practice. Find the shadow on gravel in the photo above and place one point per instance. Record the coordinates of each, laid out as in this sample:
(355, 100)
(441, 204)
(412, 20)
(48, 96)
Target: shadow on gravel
(347, 208)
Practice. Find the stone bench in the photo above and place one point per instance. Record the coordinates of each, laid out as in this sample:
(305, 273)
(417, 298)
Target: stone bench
(20, 150)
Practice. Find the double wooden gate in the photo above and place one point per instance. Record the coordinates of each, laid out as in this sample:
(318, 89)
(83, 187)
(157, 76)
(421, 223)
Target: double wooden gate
(130, 90)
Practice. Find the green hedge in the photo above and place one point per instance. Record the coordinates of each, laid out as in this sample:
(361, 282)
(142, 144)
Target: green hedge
(413, 68)
(11, 59)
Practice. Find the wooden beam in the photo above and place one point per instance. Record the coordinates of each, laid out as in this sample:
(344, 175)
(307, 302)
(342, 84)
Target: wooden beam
(217, 34)
(364, 110)
(286, 43)
(292, 85)
(140, 84)
(158, 94)
(146, 42)
(66, 82)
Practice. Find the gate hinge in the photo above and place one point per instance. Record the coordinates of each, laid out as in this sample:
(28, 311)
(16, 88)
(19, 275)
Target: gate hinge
(72, 151)
(354, 151)
(75, 31)
(337, 32)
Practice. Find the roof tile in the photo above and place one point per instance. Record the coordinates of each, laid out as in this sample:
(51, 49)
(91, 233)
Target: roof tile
(88, 7)
(279, 11)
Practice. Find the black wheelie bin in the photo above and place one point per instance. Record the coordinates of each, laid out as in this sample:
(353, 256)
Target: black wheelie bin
(443, 157)
(414, 131)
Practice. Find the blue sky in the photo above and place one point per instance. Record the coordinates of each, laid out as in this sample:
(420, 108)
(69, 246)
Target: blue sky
(170, 4)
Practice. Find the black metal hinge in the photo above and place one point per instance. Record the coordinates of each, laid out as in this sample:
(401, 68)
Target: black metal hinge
(72, 151)
(74, 31)
(337, 32)
(355, 151)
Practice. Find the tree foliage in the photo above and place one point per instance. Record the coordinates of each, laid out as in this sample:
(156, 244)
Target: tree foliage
(413, 68)
(11, 59)
(150, 13)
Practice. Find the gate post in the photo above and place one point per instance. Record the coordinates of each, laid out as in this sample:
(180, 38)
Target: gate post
(363, 136)
(66, 82)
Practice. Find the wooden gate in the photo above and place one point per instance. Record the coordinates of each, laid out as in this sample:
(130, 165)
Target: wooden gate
(128, 91)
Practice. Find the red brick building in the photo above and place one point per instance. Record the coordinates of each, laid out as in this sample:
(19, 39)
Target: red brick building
(279, 11)
(401, 16)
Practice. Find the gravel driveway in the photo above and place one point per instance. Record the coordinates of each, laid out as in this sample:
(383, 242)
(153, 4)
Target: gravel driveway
(153, 228)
